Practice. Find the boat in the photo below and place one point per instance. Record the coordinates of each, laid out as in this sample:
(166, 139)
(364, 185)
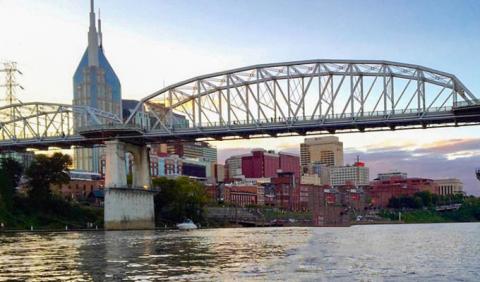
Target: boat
(187, 225)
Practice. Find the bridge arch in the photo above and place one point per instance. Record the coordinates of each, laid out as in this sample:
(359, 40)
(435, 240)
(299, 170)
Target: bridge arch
(318, 91)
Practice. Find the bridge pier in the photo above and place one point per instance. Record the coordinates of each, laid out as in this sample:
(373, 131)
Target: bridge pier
(128, 207)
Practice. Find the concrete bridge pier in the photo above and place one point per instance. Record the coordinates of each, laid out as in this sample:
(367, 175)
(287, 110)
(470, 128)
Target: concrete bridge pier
(128, 207)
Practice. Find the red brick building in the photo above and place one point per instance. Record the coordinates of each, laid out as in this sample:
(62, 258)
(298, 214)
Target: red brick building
(260, 164)
(380, 191)
(289, 163)
(244, 194)
(335, 206)
(287, 191)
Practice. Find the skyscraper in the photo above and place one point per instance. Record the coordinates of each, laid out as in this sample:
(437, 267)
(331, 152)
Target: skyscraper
(95, 84)
(327, 151)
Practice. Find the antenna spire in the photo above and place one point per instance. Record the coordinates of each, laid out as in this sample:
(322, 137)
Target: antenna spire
(92, 38)
(100, 36)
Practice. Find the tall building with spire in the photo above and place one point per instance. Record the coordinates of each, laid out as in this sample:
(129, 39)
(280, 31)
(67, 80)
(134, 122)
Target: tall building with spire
(95, 84)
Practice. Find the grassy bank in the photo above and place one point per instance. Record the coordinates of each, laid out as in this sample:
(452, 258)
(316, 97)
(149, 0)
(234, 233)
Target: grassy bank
(57, 215)
(468, 212)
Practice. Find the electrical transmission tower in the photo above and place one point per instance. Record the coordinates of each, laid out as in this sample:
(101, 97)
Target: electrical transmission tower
(11, 85)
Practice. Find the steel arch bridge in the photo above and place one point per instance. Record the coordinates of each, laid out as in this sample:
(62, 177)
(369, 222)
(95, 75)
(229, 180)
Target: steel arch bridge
(41, 125)
(303, 97)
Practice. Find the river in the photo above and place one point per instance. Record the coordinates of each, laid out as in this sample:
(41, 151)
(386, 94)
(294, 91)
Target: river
(421, 252)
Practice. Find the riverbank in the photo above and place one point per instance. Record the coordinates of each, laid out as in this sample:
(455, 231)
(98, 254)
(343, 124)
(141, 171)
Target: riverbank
(431, 216)
(57, 214)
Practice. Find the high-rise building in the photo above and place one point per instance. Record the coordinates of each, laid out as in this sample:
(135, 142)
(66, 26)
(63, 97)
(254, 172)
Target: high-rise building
(322, 150)
(96, 85)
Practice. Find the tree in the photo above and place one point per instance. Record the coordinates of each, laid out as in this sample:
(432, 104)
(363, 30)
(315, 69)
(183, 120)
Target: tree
(179, 199)
(13, 170)
(45, 171)
(10, 174)
(426, 198)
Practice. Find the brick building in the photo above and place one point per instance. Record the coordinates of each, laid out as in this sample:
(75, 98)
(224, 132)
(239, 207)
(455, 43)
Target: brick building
(243, 194)
(380, 191)
(336, 206)
(265, 164)
(287, 191)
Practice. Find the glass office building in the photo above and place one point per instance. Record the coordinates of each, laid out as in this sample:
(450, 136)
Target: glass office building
(96, 85)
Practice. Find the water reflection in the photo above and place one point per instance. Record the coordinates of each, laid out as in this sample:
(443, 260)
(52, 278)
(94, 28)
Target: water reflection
(39, 257)
(397, 252)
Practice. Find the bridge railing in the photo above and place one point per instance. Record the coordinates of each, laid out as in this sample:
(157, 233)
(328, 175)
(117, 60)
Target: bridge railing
(322, 118)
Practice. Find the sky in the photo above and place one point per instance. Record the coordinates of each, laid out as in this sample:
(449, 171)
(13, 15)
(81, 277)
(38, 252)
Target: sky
(153, 43)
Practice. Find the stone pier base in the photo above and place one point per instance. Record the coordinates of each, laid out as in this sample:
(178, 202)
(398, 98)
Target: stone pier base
(129, 209)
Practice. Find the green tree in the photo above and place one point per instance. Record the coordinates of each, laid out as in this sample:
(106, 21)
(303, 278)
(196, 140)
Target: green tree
(10, 174)
(179, 199)
(426, 197)
(45, 171)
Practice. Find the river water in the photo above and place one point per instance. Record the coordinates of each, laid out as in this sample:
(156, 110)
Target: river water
(422, 252)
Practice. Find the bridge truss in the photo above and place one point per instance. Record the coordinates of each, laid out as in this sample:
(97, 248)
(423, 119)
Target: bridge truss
(304, 97)
(45, 122)
(317, 95)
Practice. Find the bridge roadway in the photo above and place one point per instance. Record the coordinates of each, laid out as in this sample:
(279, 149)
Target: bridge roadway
(444, 117)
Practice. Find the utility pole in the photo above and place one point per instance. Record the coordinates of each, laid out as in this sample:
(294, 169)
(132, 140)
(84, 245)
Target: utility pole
(10, 69)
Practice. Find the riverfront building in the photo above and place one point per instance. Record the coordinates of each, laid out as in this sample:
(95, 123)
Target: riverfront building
(96, 85)
(380, 191)
(244, 194)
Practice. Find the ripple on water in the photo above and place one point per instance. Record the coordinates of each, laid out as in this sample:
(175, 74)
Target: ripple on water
(389, 252)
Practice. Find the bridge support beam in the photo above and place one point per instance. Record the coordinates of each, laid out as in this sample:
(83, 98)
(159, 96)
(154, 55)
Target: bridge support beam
(127, 207)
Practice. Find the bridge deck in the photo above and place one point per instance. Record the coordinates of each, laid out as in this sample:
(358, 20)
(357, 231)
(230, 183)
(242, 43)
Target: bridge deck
(368, 122)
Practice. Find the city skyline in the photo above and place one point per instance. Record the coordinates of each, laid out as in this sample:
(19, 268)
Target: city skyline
(178, 44)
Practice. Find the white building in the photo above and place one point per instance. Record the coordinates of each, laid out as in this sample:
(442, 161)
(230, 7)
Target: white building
(342, 175)
(449, 186)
